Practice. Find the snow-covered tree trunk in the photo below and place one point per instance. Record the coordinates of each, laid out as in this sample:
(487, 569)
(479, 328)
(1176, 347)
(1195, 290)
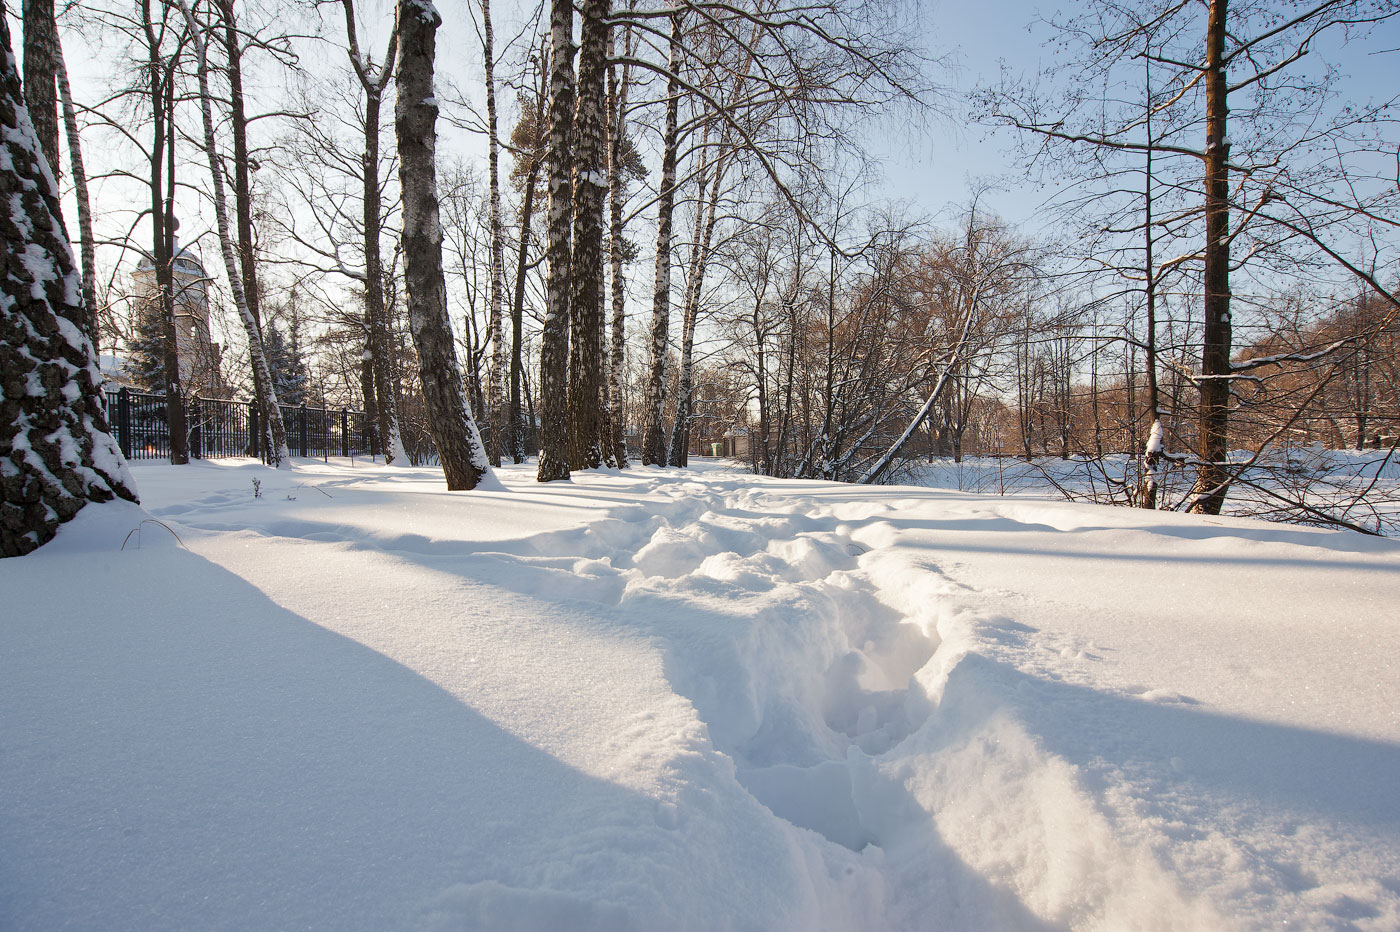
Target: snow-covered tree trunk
(454, 432)
(586, 293)
(87, 249)
(278, 454)
(496, 386)
(554, 338)
(56, 453)
(654, 433)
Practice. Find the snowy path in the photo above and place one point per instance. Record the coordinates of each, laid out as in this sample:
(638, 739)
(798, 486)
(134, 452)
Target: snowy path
(672, 700)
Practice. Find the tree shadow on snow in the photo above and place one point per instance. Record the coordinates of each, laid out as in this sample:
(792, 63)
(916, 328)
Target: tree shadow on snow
(189, 754)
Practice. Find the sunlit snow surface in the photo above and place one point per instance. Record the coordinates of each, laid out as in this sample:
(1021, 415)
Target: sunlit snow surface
(668, 699)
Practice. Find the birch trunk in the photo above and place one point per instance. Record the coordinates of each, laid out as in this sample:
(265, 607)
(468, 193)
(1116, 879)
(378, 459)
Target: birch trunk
(554, 338)
(518, 427)
(586, 269)
(459, 445)
(617, 357)
(654, 435)
(495, 389)
(695, 285)
(40, 74)
(87, 250)
(242, 185)
(278, 454)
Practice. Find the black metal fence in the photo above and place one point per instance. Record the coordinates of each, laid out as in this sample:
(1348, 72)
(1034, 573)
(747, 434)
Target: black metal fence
(220, 428)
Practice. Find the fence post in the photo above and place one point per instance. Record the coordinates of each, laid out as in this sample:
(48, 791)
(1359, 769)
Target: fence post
(301, 418)
(345, 432)
(124, 421)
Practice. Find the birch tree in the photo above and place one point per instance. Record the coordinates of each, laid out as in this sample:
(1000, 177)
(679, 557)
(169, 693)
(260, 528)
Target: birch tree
(87, 245)
(41, 75)
(278, 455)
(586, 397)
(654, 452)
(459, 445)
(554, 338)
(496, 382)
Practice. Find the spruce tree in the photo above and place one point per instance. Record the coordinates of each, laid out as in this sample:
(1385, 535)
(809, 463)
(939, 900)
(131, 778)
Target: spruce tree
(56, 453)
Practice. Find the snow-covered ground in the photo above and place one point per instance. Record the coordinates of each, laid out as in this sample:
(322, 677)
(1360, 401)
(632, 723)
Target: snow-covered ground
(667, 699)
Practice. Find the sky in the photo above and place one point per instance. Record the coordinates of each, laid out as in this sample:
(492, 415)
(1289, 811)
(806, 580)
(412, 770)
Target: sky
(930, 164)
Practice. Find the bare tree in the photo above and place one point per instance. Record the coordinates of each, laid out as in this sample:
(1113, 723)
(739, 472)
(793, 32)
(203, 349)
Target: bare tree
(374, 79)
(87, 245)
(1270, 155)
(495, 393)
(654, 429)
(277, 453)
(459, 445)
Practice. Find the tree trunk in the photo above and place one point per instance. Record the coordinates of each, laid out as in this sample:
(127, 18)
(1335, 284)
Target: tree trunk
(373, 81)
(519, 429)
(554, 338)
(586, 292)
(87, 248)
(380, 339)
(1149, 483)
(495, 408)
(40, 74)
(616, 195)
(161, 77)
(367, 390)
(459, 445)
(705, 230)
(243, 194)
(1213, 476)
(59, 454)
(654, 434)
(278, 454)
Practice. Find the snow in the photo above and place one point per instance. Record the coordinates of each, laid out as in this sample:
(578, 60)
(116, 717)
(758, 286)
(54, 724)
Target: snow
(690, 699)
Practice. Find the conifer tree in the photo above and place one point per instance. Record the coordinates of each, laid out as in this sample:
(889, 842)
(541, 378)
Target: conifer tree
(56, 453)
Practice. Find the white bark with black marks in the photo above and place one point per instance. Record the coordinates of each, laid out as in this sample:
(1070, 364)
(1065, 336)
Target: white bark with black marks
(278, 453)
(554, 338)
(586, 270)
(654, 431)
(459, 445)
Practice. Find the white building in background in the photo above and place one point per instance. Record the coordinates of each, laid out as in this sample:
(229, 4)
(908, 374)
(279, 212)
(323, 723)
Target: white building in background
(200, 356)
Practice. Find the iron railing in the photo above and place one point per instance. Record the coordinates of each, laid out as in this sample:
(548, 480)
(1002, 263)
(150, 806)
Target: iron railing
(224, 428)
